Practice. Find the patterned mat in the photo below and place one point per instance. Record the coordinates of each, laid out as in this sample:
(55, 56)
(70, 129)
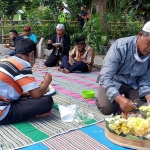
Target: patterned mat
(68, 87)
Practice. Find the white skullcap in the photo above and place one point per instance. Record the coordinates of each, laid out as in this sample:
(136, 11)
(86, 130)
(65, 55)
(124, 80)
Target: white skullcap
(60, 26)
(146, 27)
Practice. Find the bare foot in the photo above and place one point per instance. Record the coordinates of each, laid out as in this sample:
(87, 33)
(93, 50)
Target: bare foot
(44, 115)
(60, 69)
(56, 68)
(66, 71)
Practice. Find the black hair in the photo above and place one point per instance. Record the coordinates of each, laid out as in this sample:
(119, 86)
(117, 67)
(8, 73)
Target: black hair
(25, 47)
(80, 40)
(14, 31)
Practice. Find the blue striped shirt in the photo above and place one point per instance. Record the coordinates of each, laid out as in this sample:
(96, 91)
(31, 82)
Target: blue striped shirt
(123, 65)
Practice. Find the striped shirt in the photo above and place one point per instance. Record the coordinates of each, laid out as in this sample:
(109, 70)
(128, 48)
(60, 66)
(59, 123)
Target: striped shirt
(87, 55)
(123, 65)
(15, 78)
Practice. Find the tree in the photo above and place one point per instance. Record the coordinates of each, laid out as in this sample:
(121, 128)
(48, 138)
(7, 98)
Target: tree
(140, 9)
(10, 7)
(54, 5)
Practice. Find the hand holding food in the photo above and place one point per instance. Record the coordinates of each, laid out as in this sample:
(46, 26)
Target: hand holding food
(125, 104)
(48, 78)
(48, 89)
(49, 42)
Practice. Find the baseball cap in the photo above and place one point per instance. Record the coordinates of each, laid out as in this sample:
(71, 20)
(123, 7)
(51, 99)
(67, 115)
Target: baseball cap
(27, 28)
(146, 27)
(60, 26)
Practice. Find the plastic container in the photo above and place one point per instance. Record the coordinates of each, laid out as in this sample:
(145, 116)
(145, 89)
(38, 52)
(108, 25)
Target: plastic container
(87, 94)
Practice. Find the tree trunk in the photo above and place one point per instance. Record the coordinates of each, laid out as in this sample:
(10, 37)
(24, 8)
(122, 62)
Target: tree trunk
(101, 8)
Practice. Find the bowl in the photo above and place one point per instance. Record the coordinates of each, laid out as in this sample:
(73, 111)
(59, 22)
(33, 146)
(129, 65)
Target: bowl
(56, 44)
(88, 94)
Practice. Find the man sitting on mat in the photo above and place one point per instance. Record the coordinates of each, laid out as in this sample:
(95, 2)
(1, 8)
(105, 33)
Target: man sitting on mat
(80, 59)
(21, 98)
(125, 71)
(59, 51)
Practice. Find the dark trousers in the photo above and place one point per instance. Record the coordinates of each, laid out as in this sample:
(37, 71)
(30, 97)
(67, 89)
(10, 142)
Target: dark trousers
(79, 66)
(107, 108)
(26, 108)
(52, 60)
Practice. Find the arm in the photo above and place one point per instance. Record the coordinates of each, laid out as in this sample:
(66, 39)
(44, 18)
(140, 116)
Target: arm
(50, 42)
(108, 71)
(39, 92)
(12, 48)
(144, 85)
(90, 57)
(28, 83)
(72, 54)
(84, 16)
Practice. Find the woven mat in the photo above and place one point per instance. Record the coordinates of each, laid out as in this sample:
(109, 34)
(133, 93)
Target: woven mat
(68, 87)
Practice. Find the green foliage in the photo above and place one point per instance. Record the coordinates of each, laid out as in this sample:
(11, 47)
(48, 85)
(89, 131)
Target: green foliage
(8, 8)
(140, 9)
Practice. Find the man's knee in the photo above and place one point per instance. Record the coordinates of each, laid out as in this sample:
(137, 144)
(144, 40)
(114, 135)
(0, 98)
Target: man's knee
(80, 63)
(49, 64)
(48, 100)
(104, 109)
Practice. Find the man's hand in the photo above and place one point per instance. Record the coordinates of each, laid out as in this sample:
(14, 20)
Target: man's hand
(72, 62)
(125, 104)
(7, 46)
(48, 78)
(148, 99)
(49, 42)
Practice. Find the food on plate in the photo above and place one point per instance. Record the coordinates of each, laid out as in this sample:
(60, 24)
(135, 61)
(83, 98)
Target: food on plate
(134, 127)
(56, 44)
(145, 110)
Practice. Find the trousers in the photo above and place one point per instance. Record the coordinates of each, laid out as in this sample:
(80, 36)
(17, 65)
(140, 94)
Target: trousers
(107, 108)
(26, 108)
(79, 66)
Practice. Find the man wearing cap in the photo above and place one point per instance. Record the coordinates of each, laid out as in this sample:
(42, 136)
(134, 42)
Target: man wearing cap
(27, 34)
(81, 58)
(59, 51)
(125, 74)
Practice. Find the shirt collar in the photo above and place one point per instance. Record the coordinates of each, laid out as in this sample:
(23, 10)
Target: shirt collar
(136, 56)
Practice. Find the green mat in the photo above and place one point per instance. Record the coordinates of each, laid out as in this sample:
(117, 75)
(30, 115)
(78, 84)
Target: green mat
(39, 129)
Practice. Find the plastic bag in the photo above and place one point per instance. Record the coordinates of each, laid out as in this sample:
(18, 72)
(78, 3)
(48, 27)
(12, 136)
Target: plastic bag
(75, 113)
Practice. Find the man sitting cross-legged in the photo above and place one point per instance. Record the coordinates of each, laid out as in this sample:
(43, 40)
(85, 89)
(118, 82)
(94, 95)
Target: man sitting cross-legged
(21, 98)
(80, 59)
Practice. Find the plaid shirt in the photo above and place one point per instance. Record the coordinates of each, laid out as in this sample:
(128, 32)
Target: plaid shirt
(123, 65)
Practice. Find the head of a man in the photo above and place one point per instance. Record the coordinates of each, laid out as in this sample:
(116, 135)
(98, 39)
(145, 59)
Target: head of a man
(26, 48)
(82, 8)
(60, 30)
(13, 34)
(143, 41)
(61, 8)
(27, 30)
(80, 44)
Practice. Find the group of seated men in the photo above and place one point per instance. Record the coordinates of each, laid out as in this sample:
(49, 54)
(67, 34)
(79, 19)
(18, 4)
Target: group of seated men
(81, 58)
(124, 77)
(15, 37)
(21, 97)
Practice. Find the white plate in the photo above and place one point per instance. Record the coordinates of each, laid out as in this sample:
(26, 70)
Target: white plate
(56, 44)
(51, 91)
